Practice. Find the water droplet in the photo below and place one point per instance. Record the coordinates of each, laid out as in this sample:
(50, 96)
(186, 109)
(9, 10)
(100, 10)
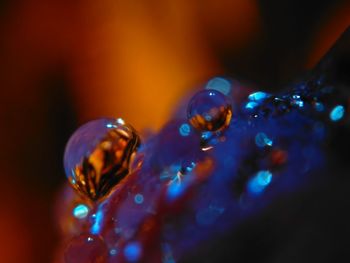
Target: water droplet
(209, 110)
(86, 248)
(98, 154)
(337, 113)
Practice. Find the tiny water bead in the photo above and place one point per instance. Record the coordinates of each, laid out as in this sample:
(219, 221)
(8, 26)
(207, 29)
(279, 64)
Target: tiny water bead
(98, 154)
(209, 110)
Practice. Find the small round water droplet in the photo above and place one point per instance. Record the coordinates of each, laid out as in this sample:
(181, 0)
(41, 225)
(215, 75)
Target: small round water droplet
(98, 154)
(209, 110)
(86, 248)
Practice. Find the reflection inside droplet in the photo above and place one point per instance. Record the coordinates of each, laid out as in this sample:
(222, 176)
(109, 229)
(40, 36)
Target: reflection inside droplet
(98, 154)
(209, 110)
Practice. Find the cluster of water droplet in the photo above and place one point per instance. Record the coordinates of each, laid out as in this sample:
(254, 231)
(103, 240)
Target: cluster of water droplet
(197, 174)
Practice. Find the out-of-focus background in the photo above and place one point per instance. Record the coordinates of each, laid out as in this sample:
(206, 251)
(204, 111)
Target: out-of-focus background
(65, 62)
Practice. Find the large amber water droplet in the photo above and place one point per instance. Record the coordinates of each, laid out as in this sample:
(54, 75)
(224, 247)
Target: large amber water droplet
(98, 154)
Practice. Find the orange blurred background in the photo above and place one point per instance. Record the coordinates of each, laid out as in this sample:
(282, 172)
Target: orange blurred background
(66, 62)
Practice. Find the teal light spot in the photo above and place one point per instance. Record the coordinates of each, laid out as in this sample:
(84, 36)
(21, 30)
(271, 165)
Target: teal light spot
(138, 199)
(259, 182)
(337, 113)
(258, 96)
(261, 140)
(219, 84)
(251, 105)
(81, 211)
(98, 218)
(133, 251)
(175, 190)
(185, 129)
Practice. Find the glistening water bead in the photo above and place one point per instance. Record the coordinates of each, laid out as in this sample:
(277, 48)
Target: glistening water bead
(209, 110)
(98, 154)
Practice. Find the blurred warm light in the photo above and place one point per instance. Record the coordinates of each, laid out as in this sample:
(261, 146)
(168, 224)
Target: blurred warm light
(122, 58)
(129, 59)
(330, 30)
(137, 60)
(15, 242)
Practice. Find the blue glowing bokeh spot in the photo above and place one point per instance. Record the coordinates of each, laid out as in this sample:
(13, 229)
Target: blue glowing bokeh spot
(175, 190)
(138, 199)
(185, 129)
(251, 105)
(337, 113)
(96, 227)
(133, 251)
(319, 106)
(259, 182)
(80, 211)
(261, 140)
(219, 84)
(258, 96)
